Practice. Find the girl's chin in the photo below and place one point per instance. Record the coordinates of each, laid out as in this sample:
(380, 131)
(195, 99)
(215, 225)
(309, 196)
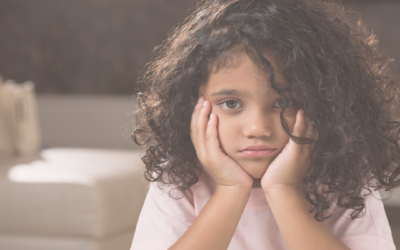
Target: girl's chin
(257, 172)
(257, 177)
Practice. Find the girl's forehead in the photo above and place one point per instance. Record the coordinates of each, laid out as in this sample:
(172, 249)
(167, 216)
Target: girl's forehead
(232, 59)
(246, 92)
(241, 70)
(242, 89)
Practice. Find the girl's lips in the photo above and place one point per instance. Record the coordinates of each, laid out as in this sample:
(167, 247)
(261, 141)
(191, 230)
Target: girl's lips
(256, 153)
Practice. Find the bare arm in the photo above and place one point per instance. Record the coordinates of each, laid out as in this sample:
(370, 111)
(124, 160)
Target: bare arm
(217, 222)
(298, 227)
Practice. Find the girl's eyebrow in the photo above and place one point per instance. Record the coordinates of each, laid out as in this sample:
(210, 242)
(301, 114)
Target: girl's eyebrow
(229, 92)
(236, 92)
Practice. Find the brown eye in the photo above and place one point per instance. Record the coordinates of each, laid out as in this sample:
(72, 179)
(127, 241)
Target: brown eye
(281, 103)
(231, 104)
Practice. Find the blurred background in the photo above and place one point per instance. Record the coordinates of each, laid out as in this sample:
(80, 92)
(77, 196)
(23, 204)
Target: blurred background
(100, 46)
(84, 58)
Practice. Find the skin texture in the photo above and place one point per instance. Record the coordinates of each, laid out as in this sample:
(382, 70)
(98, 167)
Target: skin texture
(249, 119)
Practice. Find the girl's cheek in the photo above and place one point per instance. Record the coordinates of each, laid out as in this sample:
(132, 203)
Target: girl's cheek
(221, 133)
(291, 112)
(290, 117)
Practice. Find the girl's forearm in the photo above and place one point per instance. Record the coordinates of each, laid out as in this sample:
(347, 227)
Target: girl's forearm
(217, 221)
(298, 227)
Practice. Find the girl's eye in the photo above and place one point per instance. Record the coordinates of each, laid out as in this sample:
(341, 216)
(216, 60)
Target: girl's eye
(281, 103)
(231, 104)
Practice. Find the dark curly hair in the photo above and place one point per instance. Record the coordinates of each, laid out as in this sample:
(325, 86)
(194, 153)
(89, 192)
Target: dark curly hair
(335, 71)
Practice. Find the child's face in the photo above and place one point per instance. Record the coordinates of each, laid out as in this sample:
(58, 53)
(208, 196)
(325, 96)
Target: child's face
(251, 117)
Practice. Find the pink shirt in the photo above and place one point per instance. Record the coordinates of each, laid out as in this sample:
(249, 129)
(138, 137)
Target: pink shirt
(164, 220)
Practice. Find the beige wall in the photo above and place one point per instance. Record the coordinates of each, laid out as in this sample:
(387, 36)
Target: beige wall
(92, 121)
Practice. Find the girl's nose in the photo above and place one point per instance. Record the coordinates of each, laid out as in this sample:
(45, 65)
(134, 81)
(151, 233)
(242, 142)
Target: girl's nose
(258, 124)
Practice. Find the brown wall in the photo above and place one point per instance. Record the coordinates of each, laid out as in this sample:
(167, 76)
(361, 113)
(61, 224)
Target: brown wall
(99, 46)
(83, 46)
(383, 18)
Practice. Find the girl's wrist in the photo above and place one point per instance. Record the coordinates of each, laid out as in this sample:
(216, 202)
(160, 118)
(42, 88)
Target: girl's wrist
(281, 189)
(236, 190)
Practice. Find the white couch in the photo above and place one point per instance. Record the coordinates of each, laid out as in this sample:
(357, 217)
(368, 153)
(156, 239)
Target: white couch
(71, 198)
(85, 189)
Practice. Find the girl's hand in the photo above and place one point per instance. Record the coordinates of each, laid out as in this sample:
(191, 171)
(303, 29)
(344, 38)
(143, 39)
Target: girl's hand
(222, 168)
(290, 166)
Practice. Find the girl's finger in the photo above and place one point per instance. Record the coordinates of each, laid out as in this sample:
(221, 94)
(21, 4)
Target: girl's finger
(299, 126)
(193, 123)
(299, 130)
(212, 141)
(201, 126)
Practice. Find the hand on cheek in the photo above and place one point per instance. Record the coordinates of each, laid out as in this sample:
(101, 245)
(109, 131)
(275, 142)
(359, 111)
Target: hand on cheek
(289, 167)
(222, 168)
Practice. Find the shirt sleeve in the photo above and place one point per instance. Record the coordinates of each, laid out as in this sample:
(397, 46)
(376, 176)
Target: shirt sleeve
(371, 232)
(163, 219)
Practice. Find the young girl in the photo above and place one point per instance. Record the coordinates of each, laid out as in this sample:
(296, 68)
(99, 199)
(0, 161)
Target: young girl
(268, 124)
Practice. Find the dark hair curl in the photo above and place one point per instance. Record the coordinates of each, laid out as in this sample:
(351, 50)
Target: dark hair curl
(333, 66)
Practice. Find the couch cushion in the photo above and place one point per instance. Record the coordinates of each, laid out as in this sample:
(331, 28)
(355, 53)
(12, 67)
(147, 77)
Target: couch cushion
(72, 191)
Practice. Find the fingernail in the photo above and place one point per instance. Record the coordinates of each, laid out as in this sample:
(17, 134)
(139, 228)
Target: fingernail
(200, 100)
(204, 103)
(302, 112)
